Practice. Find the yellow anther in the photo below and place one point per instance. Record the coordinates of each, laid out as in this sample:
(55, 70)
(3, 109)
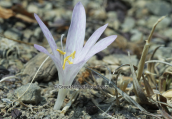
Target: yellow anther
(73, 54)
(69, 62)
(67, 59)
(61, 52)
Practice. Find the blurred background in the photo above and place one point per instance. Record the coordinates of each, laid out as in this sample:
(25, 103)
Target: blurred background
(131, 20)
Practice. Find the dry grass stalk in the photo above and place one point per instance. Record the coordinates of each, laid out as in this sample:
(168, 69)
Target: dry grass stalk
(139, 91)
(32, 79)
(150, 69)
(145, 50)
(127, 97)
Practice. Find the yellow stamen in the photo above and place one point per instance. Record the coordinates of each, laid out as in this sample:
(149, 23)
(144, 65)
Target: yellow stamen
(73, 54)
(69, 62)
(67, 59)
(61, 52)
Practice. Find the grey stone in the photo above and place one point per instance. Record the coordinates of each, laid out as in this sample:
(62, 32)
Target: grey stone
(124, 59)
(151, 21)
(128, 24)
(141, 22)
(32, 96)
(140, 4)
(137, 35)
(2, 106)
(38, 33)
(112, 20)
(99, 81)
(110, 59)
(99, 14)
(158, 41)
(13, 33)
(48, 6)
(32, 8)
(163, 24)
(6, 100)
(27, 34)
(170, 44)
(67, 15)
(109, 32)
(5, 3)
(112, 15)
(162, 53)
(84, 2)
(93, 5)
(93, 61)
(19, 25)
(168, 33)
(159, 7)
(49, 15)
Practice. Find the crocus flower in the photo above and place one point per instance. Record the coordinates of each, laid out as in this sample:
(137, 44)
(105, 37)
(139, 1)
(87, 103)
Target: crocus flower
(69, 61)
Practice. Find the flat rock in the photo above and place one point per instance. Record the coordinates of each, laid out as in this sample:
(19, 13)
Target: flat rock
(168, 33)
(5, 4)
(128, 24)
(48, 6)
(163, 24)
(45, 73)
(124, 59)
(49, 15)
(136, 35)
(111, 59)
(19, 25)
(159, 8)
(32, 8)
(13, 33)
(32, 96)
(141, 22)
(99, 14)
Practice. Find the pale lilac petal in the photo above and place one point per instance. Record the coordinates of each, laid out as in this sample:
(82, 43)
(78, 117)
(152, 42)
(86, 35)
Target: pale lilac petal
(55, 60)
(72, 70)
(89, 44)
(99, 46)
(76, 33)
(48, 36)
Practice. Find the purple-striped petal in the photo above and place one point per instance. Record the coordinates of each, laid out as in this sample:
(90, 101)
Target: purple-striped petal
(99, 46)
(55, 60)
(76, 33)
(49, 37)
(89, 44)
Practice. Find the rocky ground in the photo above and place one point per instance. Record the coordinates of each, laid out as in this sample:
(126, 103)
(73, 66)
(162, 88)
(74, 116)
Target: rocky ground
(131, 20)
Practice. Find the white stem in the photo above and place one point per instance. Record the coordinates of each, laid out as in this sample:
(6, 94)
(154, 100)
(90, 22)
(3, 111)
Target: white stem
(60, 98)
(72, 99)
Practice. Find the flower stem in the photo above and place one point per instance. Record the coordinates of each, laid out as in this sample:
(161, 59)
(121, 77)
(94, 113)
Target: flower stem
(61, 96)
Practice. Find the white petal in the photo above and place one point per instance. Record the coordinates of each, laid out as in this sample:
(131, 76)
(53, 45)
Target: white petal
(89, 44)
(99, 46)
(55, 60)
(76, 33)
(48, 36)
(72, 70)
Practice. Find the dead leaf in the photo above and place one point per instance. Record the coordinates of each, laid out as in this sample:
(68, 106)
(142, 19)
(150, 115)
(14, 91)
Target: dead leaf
(6, 13)
(25, 18)
(23, 14)
(168, 94)
(19, 9)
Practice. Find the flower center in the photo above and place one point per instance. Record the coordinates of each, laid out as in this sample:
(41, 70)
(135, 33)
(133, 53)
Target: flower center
(67, 58)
